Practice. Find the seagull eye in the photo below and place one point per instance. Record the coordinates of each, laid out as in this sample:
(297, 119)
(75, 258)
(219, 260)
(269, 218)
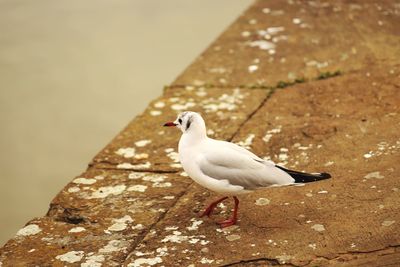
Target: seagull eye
(180, 121)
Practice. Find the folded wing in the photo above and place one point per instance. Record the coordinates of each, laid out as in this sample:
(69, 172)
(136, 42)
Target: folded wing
(224, 162)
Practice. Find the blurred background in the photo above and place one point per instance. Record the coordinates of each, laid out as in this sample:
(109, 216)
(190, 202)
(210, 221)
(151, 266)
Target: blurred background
(74, 73)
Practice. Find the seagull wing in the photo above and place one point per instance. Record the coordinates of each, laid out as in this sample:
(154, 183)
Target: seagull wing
(239, 166)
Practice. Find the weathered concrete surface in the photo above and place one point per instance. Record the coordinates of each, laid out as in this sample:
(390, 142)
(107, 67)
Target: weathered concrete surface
(347, 126)
(99, 217)
(135, 207)
(145, 145)
(277, 41)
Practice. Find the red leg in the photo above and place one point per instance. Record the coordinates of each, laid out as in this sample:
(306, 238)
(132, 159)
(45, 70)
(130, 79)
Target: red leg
(212, 206)
(233, 219)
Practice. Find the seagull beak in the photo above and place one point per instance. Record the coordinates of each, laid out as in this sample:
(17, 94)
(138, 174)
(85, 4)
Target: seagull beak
(170, 124)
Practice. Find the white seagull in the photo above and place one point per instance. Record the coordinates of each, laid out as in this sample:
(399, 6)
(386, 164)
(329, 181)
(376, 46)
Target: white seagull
(227, 168)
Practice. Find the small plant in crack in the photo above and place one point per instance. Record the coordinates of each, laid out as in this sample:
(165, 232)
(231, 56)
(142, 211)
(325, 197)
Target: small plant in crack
(328, 74)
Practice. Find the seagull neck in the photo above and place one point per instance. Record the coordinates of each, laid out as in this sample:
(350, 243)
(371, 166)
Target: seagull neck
(193, 137)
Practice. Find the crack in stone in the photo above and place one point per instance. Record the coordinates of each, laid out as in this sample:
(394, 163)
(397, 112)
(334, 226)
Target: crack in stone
(160, 218)
(252, 114)
(278, 85)
(270, 261)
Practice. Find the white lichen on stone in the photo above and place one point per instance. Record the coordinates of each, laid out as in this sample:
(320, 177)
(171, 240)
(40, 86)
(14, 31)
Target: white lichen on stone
(93, 261)
(114, 246)
(252, 68)
(136, 175)
(329, 163)
(174, 156)
(120, 224)
(232, 237)
(77, 229)
(322, 192)
(71, 256)
(171, 228)
(73, 189)
(271, 132)
(155, 113)
(105, 191)
(142, 143)
(206, 261)
(262, 201)
(126, 152)
(145, 262)
(129, 166)
(84, 181)
(138, 226)
(318, 227)
(224, 102)
(262, 44)
(247, 142)
(175, 237)
(388, 222)
(138, 188)
(184, 106)
(376, 175)
(284, 258)
(141, 156)
(313, 246)
(31, 229)
(159, 104)
(195, 224)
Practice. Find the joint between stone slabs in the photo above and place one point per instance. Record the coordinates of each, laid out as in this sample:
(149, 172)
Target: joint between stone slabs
(270, 93)
(162, 216)
(279, 85)
(272, 261)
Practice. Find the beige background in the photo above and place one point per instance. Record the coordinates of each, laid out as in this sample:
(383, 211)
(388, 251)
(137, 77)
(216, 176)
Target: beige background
(73, 73)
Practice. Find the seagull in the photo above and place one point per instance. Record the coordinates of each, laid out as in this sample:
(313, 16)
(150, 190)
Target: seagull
(226, 168)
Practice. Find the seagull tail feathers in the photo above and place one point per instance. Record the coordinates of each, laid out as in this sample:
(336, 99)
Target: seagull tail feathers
(303, 177)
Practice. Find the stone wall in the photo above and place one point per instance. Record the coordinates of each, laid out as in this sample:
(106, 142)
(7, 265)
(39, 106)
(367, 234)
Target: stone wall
(313, 86)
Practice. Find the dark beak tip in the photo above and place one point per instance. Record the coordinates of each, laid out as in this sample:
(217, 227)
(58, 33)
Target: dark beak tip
(169, 124)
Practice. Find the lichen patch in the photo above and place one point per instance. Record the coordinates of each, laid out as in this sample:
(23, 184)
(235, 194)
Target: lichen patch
(84, 181)
(126, 152)
(77, 229)
(120, 224)
(232, 237)
(388, 222)
(93, 261)
(376, 175)
(262, 201)
(142, 143)
(31, 229)
(105, 191)
(138, 188)
(71, 257)
(318, 227)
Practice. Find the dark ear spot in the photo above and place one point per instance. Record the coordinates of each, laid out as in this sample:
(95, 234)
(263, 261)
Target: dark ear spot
(189, 121)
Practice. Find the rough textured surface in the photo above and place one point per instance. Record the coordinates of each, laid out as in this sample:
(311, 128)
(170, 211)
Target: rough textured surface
(287, 40)
(135, 207)
(333, 126)
(101, 214)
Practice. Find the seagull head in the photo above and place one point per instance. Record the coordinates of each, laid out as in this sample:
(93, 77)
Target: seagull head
(189, 122)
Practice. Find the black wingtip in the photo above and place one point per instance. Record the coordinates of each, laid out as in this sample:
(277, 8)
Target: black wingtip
(325, 175)
(302, 177)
